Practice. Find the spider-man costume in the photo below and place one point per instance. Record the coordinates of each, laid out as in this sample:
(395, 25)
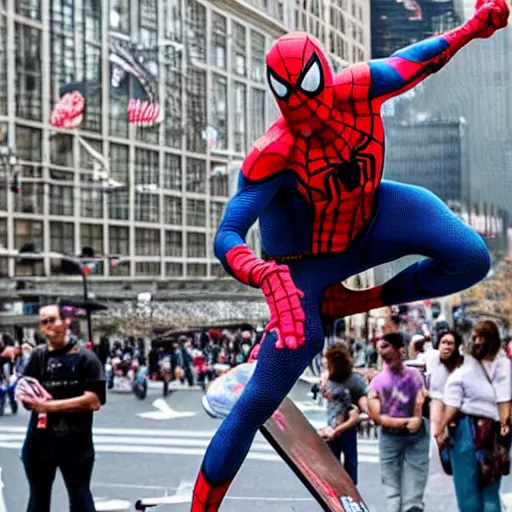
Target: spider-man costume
(314, 182)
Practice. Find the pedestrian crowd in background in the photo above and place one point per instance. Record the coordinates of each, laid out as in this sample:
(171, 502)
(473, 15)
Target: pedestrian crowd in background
(430, 396)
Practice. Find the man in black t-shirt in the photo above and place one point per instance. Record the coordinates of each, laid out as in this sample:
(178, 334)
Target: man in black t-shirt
(60, 429)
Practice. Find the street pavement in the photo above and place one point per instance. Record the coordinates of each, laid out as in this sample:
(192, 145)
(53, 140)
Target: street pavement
(153, 448)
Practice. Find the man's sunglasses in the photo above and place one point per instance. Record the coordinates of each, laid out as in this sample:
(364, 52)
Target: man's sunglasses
(49, 321)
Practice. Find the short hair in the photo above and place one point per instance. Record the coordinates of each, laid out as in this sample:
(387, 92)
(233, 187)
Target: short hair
(489, 332)
(340, 358)
(395, 339)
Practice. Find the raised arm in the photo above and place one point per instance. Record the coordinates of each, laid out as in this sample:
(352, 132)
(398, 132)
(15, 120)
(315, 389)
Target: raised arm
(382, 79)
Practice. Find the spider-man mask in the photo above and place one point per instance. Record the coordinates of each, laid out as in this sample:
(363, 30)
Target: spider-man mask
(301, 79)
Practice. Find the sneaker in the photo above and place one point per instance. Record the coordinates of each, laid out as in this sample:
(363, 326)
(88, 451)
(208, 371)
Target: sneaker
(224, 391)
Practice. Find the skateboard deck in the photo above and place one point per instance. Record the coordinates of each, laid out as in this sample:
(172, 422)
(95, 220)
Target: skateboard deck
(307, 454)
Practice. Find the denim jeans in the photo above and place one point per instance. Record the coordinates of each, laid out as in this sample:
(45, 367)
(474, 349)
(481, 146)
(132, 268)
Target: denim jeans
(346, 443)
(470, 496)
(404, 459)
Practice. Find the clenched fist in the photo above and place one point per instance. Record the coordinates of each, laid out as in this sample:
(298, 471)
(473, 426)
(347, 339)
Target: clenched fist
(490, 15)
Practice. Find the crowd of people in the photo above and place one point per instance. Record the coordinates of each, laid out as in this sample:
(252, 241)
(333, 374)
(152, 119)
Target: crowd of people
(444, 393)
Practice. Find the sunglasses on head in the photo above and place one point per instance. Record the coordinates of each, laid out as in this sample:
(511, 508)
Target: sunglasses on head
(49, 321)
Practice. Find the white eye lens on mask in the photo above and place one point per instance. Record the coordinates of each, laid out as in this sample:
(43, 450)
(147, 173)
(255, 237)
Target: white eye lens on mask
(312, 79)
(280, 90)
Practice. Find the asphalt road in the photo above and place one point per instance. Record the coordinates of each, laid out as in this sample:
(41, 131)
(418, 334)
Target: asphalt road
(147, 451)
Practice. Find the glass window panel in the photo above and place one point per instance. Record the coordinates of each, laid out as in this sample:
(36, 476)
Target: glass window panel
(148, 13)
(174, 269)
(220, 113)
(119, 159)
(28, 144)
(196, 245)
(171, 175)
(119, 16)
(119, 97)
(257, 57)
(3, 65)
(173, 210)
(257, 117)
(219, 180)
(240, 130)
(173, 20)
(28, 232)
(239, 49)
(91, 235)
(173, 120)
(29, 8)
(173, 243)
(147, 207)
(147, 168)
(219, 41)
(195, 87)
(196, 213)
(119, 240)
(216, 211)
(91, 201)
(61, 200)
(197, 269)
(147, 242)
(28, 94)
(62, 237)
(196, 175)
(217, 270)
(30, 199)
(196, 25)
(4, 262)
(147, 268)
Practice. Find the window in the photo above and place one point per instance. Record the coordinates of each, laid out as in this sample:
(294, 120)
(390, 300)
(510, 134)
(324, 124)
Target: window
(119, 96)
(147, 268)
(174, 269)
(196, 24)
(61, 200)
(219, 181)
(146, 168)
(173, 208)
(91, 202)
(219, 31)
(196, 213)
(257, 117)
(197, 269)
(217, 270)
(28, 95)
(118, 201)
(173, 19)
(30, 199)
(173, 120)
(28, 144)
(196, 110)
(171, 173)
(91, 235)
(173, 244)
(257, 57)
(62, 237)
(119, 240)
(28, 232)
(216, 211)
(240, 110)
(147, 242)
(4, 262)
(3, 65)
(196, 175)
(92, 74)
(219, 113)
(29, 8)
(196, 245)
(239, 49)
(119, 16)
(147, 207)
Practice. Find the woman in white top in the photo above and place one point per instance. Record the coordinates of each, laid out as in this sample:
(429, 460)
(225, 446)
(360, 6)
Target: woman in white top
(477, 396)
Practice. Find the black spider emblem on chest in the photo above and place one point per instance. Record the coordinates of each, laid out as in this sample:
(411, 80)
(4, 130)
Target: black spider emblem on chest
(349, 174)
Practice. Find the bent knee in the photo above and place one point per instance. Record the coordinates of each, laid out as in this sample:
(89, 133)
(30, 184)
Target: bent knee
(474, 258)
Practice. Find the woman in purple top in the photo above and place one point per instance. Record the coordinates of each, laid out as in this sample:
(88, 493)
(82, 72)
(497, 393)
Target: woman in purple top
(395, 402)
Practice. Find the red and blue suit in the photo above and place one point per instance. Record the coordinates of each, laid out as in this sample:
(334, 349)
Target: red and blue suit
(314, 182)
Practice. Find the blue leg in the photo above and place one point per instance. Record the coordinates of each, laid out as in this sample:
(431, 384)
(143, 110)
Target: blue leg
(412, 220)
(275, 374)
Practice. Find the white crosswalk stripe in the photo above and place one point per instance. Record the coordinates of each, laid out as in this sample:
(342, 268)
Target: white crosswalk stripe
(169, 442)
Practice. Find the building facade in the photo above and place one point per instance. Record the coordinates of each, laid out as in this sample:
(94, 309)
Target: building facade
(206, 61)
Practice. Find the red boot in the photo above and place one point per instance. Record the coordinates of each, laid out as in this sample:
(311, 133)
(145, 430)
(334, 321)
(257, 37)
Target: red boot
(207, 497)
